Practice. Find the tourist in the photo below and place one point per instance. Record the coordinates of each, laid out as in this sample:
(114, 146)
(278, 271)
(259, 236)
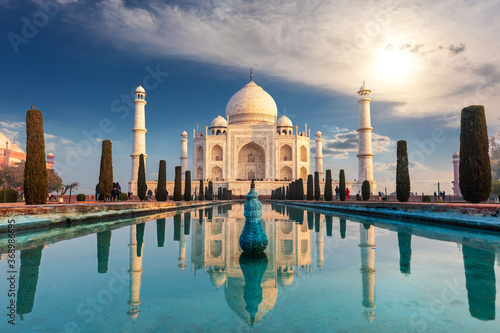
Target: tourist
(379, 196)
(150, 193)
(336, 192)
(156, 192)
(51, 196)
(444, 196)
(96, 192)
(435, 196)
(347, 193)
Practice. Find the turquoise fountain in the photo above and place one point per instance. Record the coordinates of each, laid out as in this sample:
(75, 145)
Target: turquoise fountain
(253, 238)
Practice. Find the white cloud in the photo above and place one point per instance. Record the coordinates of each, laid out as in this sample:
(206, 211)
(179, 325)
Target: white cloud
(12, 124)
(345, 142)
(446, 63)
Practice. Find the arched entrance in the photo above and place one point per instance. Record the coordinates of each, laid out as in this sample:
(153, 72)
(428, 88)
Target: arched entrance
(286, 173)
(216, 173)
(303, 174)
(251, 162)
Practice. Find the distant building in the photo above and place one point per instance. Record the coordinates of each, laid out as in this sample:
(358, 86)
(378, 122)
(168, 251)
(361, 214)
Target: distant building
(456, 174)
(11, 153)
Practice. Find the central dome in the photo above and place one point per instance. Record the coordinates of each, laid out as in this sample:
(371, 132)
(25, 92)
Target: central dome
(251, 105)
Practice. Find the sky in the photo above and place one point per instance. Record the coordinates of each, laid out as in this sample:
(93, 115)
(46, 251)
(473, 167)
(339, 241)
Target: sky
(79, 61)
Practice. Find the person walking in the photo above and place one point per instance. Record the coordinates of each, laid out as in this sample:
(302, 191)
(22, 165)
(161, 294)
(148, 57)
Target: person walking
(336, 193)
(150, 193)
(347, 192)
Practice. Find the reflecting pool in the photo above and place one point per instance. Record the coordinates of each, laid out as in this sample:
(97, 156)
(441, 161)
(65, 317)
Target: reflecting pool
(322, 272)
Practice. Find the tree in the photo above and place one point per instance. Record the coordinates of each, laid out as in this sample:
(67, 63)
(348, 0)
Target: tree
(12, 176)
(161, 187)
(475, 167)
(310, 187)
(54, 181)
(402, 173)
(328, 186)
(106, 170)
(317, 192)
(495, 156)
(35, 172)
(210, 193)
(142, 187)
(178, 184)
(65, 188)
(201, 197)
(301, 189)
(342, 192)
(365, 190)
(187, 186)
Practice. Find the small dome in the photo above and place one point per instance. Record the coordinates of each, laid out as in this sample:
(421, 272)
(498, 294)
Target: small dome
(284, 121)
(251, 105)
(50, 155)
(364, 87)
(456, 154)
(285, 279)
(217, 278)
(184, 133)
(140, 89)
(318, 133)
(16, 148)
(219, 121)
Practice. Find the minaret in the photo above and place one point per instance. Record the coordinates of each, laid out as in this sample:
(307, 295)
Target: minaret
(139, 130)
(367, 245)
(365, 155)
(319, 155)
(184, 153)
(135, 275)
(456, 174)
(320, 245)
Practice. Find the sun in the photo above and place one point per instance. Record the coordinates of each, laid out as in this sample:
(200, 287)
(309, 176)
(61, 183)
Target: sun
(393, 64)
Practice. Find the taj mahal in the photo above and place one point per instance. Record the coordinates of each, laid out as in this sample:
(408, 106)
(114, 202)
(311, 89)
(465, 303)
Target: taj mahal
(251, 142)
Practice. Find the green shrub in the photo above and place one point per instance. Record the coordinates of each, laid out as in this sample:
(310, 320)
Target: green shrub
(426, 198)
(475, 167)
(178, 184)
(123, 196)
(161, 187)
(328, 186)
(106, 170)
(317, 193)
(142, 187)
(310, 188)
(342, 191)
(402, 173)
(365, 190)
(80, 197)
(8, 195)
(187, 186)
(36, 185)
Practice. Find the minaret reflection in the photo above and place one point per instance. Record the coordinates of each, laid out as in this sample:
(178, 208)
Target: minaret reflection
(404, 243)
(215, 250)
(183, 239)
(480, 282)
(367, 246)
(28, 279)
(135, 272)
(342, 227)
(320, 233)
(103, 244)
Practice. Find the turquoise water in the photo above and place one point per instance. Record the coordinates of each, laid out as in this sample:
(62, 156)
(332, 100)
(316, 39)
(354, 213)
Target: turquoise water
(322, 273)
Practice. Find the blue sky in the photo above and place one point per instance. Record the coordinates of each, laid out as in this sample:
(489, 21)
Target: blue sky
(79, 60)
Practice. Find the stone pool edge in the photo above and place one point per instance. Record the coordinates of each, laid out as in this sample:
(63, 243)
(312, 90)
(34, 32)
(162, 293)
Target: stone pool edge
(42, 216)
(481, 216)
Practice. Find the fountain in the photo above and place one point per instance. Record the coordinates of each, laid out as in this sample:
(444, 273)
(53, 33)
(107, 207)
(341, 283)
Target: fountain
(253, 238)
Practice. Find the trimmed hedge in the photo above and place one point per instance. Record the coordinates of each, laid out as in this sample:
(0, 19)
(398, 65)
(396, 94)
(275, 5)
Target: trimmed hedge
(475, 167)
(142, 187)
(402, 173)
(342, 191)
(123, 196)
(36, 185)
(328, 186)
(80, 197)
(106, 170)
(317, 191)
(8, 195)
(178, 184)
(310, 188)
(161, 187)
(365, 190)
(426, 198)
(187, 186)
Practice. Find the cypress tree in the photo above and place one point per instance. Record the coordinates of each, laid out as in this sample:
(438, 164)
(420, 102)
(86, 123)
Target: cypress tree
(161, 188)
(328, 186)
(365, 190)
(342, 192)
(474, 167)
(283, 197)
(178, 184)
(36, 186)
(210, 190)
(187, 186)
(287, 195)
(300, 189)
(310, 194)
(317, 193)
(142, 187)
(201, 197)
(402, 173)
(106, 171)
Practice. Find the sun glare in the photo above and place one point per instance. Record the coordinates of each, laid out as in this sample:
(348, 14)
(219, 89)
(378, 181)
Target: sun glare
(393, 64)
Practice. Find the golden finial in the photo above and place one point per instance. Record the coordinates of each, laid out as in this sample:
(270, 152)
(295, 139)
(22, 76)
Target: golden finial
(251, 74)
